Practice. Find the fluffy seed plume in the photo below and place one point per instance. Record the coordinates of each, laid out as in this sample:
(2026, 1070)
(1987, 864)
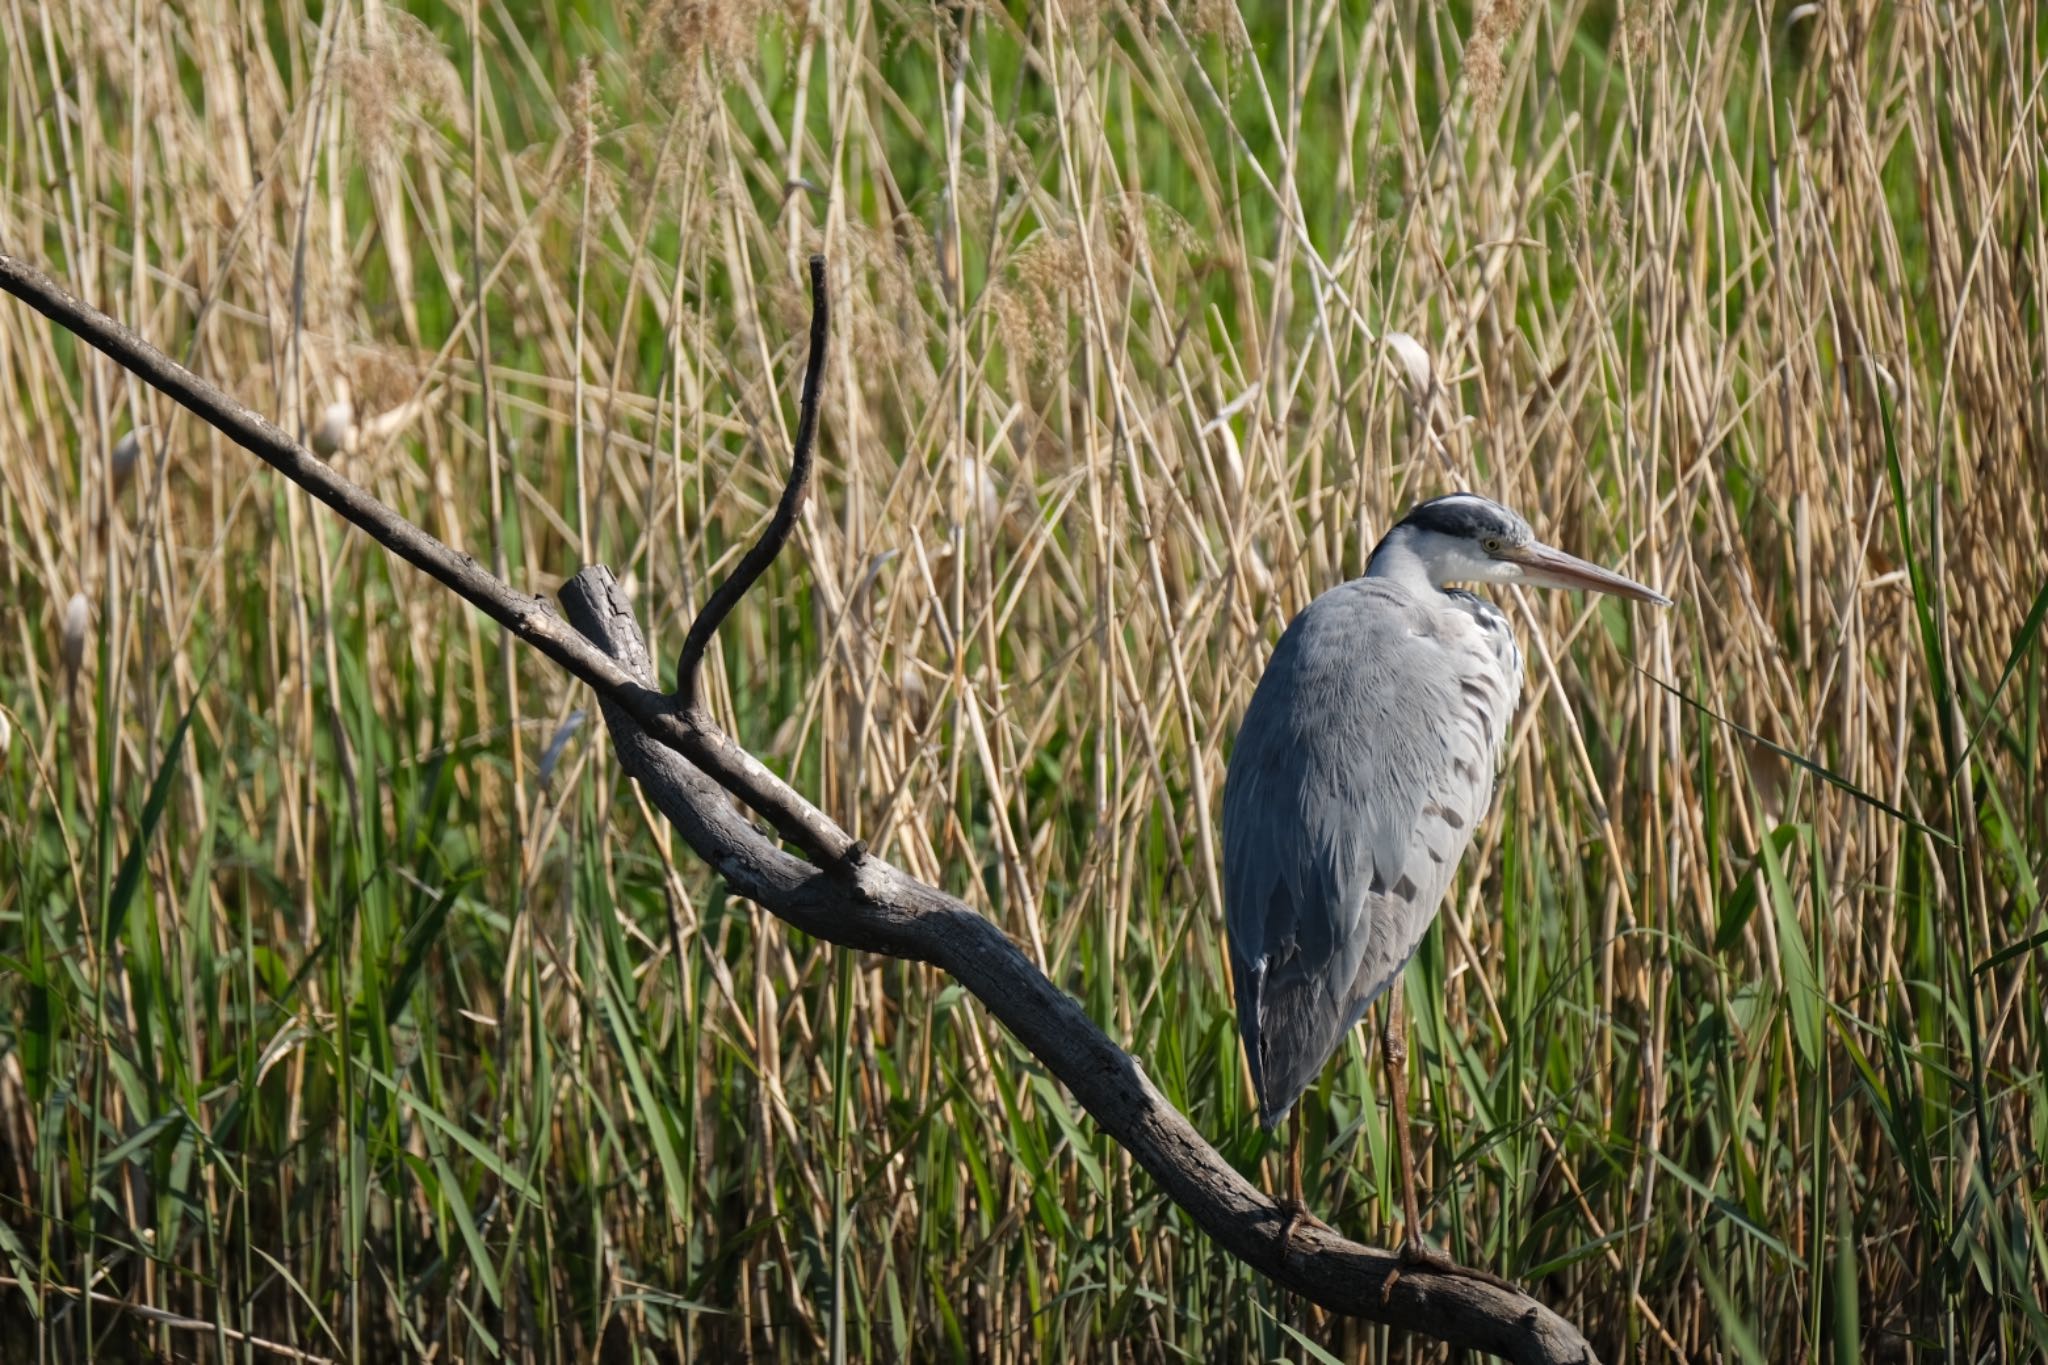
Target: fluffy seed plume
(335, 432)
(1416, 366)
(126, 452)
(1485, 70)
(76, 626)
(984, 494)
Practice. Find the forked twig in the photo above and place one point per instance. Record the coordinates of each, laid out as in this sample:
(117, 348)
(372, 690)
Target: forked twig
(690, 768)
(530, 618)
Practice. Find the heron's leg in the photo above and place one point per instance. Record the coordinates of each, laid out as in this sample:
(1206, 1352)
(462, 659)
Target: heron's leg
(1294, 1205)
(1395, 1052)
(1294, 1160)
(1413, 1250)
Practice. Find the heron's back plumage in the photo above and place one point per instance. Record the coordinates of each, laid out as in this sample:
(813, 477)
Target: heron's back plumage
(1365, 762)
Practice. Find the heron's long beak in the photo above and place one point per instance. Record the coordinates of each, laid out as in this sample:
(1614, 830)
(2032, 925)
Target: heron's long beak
(1550, 568)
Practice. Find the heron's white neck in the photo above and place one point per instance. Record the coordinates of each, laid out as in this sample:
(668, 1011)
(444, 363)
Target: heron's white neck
(1421, 561)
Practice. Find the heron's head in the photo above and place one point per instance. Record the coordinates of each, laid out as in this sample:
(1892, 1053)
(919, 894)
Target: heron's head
(1464, 538)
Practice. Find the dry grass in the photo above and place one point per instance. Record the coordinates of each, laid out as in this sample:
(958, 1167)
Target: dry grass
(373, 1013)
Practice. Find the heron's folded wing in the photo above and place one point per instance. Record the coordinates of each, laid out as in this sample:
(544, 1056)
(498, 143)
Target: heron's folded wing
(1365, 761)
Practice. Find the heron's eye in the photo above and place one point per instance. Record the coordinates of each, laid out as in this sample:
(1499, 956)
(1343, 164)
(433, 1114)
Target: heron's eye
(1492, 544)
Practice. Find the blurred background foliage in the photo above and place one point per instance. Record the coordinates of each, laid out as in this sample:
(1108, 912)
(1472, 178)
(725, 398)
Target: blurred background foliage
(351, 1001)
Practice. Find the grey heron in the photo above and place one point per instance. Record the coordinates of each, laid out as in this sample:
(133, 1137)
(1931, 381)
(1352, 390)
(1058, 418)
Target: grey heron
(1365, 761)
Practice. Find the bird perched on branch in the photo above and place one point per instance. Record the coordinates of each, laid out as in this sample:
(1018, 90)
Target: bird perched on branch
(1365, 762)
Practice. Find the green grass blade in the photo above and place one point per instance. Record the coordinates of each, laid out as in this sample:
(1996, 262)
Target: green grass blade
(511, 1178)
(1792, 756)
(130, 875)
(2021, 643)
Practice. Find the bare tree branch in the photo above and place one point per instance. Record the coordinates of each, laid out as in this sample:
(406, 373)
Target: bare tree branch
(530, 618)
(690, 767)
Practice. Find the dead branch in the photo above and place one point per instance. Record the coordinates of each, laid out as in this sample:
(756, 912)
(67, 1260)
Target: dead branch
(529, 618)
(690, 768)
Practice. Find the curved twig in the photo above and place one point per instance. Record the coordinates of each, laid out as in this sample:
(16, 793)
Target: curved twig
(689, 767)
(756, 561)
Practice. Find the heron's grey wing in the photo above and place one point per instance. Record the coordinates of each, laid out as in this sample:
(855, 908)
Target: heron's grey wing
(1364, 763)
